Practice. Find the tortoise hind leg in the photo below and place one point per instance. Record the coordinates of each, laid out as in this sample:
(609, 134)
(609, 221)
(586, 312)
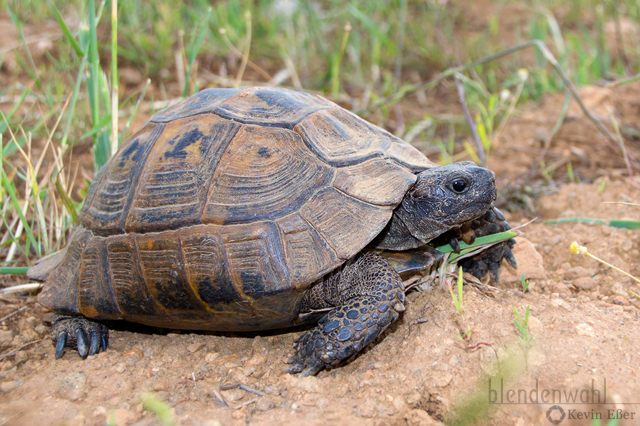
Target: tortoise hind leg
(88, 337)
(367, 295)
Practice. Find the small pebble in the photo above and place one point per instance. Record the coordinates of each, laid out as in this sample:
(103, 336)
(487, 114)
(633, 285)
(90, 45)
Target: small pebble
(584, 330)
(584, 283)
(194, 347)
(6, 338)
(265, 404)
(72, 386)
(620, 300)
(22, 356)
(10, 386)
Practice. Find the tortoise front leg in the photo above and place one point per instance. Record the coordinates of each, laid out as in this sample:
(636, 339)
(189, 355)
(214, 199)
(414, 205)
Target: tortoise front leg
(79, 333)
(367, 295)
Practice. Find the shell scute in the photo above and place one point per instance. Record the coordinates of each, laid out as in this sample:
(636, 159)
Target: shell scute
(173, 187)
(201, 103)
(265, 173)
(271, 107)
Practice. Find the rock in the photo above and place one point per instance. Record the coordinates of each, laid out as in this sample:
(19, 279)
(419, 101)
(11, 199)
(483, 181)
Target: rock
(99, 415)
(238, 414)
(120, 368)
(536, 358)
(584, 330)
(72, 386)
(131, 360)
(414, 399)
(442, 379)
(618, 289)
(41, 329)
(584, 283)
(122, 417)
(79, 420)
(265, 404)
(22, 356)
(559, 303)
(6, 338)
(194, 347)
(233, 395)
(368, 409)
(420, 418)
(577, 272)
(10, 386)
(530, 263)
(620, 300)
(307, 384)
(535, 326)
(271, 390)
(211, 356)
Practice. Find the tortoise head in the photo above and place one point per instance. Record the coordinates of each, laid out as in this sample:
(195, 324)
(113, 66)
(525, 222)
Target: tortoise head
(445, 197)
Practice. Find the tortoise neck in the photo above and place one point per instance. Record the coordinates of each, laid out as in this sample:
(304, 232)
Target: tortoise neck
(396, 236)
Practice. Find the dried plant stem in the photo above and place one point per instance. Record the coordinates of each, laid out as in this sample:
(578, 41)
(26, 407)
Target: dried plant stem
(452, 71)
(114, 76)
(467, 117)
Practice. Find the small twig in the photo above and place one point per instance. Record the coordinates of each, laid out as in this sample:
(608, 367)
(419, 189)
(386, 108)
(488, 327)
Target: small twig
(623, 81)
(467, 116)
(219, 397)
(15, 351)
(452, 71)
(245, 403)
(20, 288)
(13, 313)
(243, 387)
(621, 142)
(193, 376)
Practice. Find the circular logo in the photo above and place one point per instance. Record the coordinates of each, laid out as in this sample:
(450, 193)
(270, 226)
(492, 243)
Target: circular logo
(555, 414)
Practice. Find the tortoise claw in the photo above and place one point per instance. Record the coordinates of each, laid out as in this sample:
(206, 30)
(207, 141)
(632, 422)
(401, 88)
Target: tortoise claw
(510, 258)
(82, 344)
(455, 245)
(88, 337)
(105, 340)
(95, 344)
(60, 344)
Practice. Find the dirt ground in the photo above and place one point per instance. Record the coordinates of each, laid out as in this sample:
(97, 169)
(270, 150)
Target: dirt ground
(584, 322)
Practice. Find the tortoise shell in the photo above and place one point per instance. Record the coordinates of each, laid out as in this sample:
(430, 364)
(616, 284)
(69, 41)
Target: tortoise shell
(224, 208)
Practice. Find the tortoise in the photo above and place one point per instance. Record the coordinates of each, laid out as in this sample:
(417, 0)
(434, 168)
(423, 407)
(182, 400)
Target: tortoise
(245, 210)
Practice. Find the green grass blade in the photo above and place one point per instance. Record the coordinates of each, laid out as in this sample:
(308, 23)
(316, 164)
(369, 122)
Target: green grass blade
(65, 30)
(135, 110)
(66, 201)
(34, 69)
(8, 186)
(194, 47)
(616, 223)
(98, 127)
(487, 239)
(74, 99)
(14, 270)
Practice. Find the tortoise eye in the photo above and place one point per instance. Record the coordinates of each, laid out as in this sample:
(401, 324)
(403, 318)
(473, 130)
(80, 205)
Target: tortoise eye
(459, 186)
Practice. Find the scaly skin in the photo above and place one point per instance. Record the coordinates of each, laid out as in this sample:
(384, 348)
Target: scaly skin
(367, 295)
